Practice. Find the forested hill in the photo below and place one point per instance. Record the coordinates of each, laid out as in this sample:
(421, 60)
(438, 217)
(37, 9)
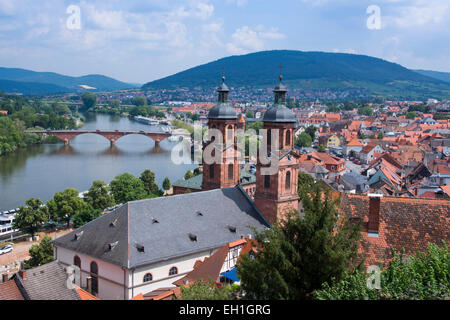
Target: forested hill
(309, 71)
(16, 80)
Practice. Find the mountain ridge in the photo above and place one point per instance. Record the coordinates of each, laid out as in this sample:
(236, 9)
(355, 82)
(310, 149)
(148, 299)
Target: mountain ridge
(54, 81)
(313, 71)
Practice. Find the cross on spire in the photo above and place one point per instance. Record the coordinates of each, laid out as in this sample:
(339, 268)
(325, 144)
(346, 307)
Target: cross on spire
(281, 69)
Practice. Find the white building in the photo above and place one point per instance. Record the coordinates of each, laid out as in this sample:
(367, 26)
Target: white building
(148, 244)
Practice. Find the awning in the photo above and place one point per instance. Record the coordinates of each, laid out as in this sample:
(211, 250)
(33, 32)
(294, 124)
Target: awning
(231, 274)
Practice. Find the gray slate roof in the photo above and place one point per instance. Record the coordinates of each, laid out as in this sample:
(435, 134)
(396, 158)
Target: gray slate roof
(195, 183)
(48, 282)
(134, 224)
(279, 113)
(222, 111)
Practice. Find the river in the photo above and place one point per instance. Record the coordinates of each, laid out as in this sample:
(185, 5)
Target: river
(42, 170)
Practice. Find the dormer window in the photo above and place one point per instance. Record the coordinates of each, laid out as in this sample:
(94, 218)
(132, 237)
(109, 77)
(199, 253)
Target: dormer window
(78, 235)
(232, 229)
(193, 237)
(154, 220)
(140, 247)
(112, 245)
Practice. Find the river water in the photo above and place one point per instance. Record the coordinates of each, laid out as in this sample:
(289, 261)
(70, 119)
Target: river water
(42, 170)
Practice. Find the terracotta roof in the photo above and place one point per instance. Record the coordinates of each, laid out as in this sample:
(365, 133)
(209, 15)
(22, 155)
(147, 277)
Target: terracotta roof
(161, 294)
(84, 295)
(10, 291)
(208, 269)
(446, 189)
(354, 143)
(408, 223)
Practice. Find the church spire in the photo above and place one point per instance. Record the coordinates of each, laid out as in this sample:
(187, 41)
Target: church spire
(223, 90)
(280, 90)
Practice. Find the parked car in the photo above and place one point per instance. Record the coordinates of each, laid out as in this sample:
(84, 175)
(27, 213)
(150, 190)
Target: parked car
(6, 249)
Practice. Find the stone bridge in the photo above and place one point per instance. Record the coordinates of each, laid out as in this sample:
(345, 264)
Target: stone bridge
(111, 135)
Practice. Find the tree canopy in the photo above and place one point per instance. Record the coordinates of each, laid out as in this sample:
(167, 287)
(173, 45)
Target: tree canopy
(65, 205)
(31, 217)
(298, 255)
(40, 254)
(98, 196)
(126, 187)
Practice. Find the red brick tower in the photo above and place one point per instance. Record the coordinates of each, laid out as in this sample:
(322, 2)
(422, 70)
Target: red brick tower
(226, 172)
(276, 194)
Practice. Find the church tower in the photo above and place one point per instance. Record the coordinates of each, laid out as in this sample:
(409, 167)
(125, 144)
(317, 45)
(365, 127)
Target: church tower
(226, 172)
(276, 194)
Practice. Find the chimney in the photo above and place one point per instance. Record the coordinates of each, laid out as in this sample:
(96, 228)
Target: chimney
(5, 277)
(22, 272)
(89, 284)
(374, 212)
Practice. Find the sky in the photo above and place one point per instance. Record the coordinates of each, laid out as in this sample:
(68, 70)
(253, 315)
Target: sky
(138, 41)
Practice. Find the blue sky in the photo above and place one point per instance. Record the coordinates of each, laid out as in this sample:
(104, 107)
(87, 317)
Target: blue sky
(139, 41)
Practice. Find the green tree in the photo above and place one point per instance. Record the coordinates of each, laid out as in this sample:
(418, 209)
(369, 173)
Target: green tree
(98, 196)
(166, 184)
(126, 187)
(411, 115)
(321, 148)
(115, 104)
(423, 276)
(311, 130)
(298, 255)
(31, 217)
(380, 135)
(140, 101)
(250, 114)
(257, 125)
(65, 205)
(205, 290)
(148, 179)
(305, 184)
(303, 140)
(89, 100)
(86, 215)
(40, 254)
(189, 174)
(365, 111)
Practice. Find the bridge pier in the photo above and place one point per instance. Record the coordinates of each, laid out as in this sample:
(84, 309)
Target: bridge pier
(66, 142)
(157, 143)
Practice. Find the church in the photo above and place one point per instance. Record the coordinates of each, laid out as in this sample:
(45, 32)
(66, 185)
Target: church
(150, 244)
(273, 194)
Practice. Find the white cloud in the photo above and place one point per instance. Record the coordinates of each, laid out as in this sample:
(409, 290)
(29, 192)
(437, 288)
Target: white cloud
(246, 39)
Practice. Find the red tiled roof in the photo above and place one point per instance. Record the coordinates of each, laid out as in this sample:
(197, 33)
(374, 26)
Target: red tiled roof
(84, 295)
(409, 223)
(10, 291)
(446, 189)
(209, 268)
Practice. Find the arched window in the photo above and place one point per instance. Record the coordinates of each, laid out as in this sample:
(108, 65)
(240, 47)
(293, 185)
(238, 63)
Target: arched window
(229, 133)
(288, 180)
(266, 181)
(94, 276)
(148, 277)
(230, 171)
(211, 171)
(288, 137)
(77, 261)
(173, 271)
